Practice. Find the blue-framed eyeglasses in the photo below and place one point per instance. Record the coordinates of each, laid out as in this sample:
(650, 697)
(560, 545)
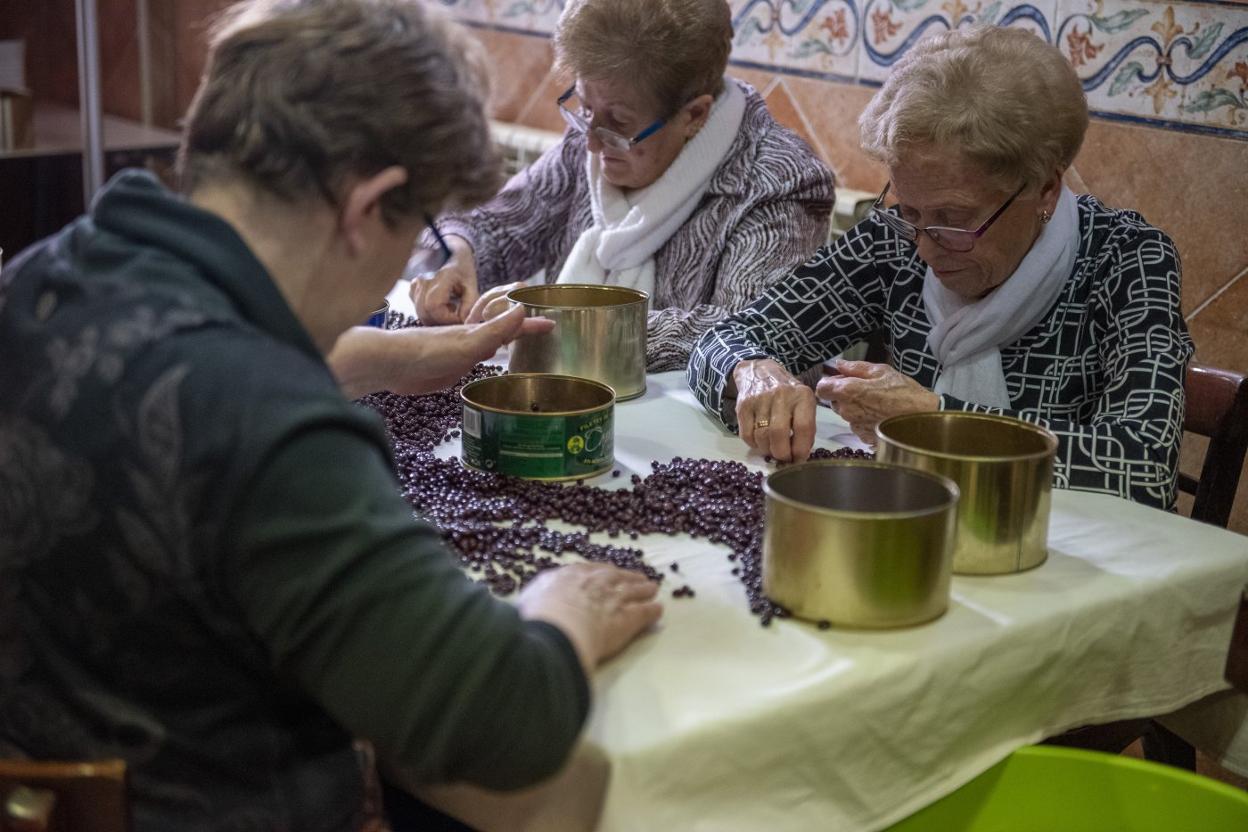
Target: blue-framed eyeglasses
(426, 258)
(579, 117)
(953, 239)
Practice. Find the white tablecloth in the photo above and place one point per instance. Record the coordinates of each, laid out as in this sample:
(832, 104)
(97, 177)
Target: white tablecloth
(715, 723)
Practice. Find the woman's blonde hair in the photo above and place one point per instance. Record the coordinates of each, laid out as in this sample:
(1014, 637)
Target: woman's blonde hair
(671, 50)
(1001, 97)
(298, 96)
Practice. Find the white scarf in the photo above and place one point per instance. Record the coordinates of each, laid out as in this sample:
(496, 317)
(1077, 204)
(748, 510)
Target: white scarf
(618, 248)
(967, 336)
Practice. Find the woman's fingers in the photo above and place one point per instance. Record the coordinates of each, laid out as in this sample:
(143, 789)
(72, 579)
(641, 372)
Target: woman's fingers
(745, 422)
(491, 304)
(804, 430)
(779, 422)
(637, 591)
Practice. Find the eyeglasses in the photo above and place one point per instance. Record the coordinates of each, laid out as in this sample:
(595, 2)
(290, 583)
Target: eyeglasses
(953, 239)
(579, 117)
(425, 258)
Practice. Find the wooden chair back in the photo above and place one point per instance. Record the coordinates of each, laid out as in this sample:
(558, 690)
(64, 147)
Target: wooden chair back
(38, 796)
(1217, 407)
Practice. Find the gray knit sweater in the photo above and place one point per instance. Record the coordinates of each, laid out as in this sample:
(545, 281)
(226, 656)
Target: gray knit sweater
(765, 211)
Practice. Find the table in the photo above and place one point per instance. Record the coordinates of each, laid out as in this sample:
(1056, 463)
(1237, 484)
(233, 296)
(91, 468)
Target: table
(715, 723)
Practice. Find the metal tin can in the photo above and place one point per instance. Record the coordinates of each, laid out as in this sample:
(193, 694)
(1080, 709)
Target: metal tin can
(539, 426)
(1004, 467)
(378, 318)
(599, 334)
(858, 543)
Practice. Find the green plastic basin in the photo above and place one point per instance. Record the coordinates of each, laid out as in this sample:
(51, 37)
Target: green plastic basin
(1050, 789)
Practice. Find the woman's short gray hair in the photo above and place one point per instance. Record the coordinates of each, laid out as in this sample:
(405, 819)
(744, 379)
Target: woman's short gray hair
(301, 95)
(671, 50)
(1002, 97)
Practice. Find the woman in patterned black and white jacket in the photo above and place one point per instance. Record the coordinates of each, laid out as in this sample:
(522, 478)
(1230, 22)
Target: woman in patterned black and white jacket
(1000, 291)
(671, 179)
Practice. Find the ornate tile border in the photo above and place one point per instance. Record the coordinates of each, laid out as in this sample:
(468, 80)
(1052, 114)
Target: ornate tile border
(1177, 65)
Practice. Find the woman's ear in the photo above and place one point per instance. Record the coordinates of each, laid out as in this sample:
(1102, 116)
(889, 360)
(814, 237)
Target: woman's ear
(698, 111)
(1050, 191)
(361, 206)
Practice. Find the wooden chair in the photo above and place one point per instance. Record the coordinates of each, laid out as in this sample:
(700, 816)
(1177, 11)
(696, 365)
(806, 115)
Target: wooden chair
(39, 796)
(1217, 407)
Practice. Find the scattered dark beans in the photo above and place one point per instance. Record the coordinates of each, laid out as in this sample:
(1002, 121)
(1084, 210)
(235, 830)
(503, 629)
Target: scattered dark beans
(497, 524)
(840, 453)
(675, 567)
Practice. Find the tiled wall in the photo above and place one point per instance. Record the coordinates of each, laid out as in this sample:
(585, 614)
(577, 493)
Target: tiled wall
(1167, 83)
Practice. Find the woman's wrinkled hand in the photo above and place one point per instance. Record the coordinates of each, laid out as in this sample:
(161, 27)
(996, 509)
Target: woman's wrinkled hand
(600, 608)
(865, 394)
(447, 295)
(422, 359)
(775, 411)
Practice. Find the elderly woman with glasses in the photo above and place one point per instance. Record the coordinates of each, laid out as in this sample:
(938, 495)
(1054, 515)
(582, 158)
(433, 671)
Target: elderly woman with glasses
(998, 290)
(671, 179)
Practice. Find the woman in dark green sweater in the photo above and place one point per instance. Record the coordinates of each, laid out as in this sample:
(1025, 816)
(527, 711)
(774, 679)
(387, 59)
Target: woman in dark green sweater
(205, 565)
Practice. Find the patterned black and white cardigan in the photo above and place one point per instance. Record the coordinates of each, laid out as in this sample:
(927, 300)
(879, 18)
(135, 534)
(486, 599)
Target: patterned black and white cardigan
(766, 210)
(1103, 370)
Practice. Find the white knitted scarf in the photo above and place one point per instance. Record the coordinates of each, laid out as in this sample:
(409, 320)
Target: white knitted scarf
(967, 336)
(628, 228)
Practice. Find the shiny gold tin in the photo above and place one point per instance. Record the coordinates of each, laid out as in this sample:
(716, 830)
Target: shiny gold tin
(859, 543)
(539, 427)
(1004, 468)
(600, 334)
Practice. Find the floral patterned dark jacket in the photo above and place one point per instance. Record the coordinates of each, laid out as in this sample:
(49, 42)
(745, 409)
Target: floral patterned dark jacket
(205, 565)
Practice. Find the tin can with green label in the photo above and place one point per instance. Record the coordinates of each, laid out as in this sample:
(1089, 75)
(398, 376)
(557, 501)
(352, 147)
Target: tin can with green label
(539, 426)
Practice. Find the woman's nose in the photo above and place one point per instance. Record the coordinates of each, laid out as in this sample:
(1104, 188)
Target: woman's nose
(928, 248)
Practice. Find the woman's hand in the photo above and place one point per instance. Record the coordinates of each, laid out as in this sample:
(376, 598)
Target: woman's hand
(492, 304)
(775, 411)
(422, 359)
(865, 394)
(600, 608)
(447, 295)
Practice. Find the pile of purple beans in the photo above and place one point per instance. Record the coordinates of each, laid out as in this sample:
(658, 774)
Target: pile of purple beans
(497, 524)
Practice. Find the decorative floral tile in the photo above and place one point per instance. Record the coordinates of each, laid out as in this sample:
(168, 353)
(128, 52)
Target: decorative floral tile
(1160, 61)
(891, 27)
(471, 11)
(1120, 51)
(528, 15)
(1173, 63)
(817, 37)
(1214, 69)
(532, 15)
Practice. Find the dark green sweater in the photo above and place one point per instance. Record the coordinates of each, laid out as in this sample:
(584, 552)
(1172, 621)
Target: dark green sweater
(205, 565)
